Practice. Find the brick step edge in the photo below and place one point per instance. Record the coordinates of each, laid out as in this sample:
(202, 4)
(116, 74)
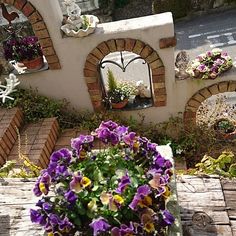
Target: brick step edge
(41, 137)
(11, 120)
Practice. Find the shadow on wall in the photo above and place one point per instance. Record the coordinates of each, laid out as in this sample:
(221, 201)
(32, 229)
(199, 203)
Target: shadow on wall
(5, 225)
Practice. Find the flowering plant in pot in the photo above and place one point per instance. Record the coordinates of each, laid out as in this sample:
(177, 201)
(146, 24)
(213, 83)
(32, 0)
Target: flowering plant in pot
(119, 190)
(210, 64)
(26, 50)
(225, 128)
(118, 92)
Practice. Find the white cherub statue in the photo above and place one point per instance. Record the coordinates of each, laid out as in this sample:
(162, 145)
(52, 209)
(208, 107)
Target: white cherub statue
(143, 90)
(72, 9)
(77, 25)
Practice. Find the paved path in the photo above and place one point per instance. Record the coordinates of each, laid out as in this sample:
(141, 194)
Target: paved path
(207, 207)
(206, 32)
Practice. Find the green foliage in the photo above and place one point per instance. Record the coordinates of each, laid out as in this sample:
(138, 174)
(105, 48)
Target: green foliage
(33, 105)
(112, 84)
(224, 165)
(121, 3)
(224, 125)
(6, 168)
(179, 8)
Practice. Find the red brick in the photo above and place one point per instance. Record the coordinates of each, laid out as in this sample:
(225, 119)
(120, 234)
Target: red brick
(167, 42)
(90, 66)
(120, 44)
(158, 78)
(28, 9)
(160, 103)
(48, 51)
(97, 53)
(129, 44)
(92, 59)
(223, 86)
(153, 57)
(93, 86)
(104, 48)
(138, 47)
(147, 51)
(112, 45)
(54, 66)
(89, 73)
(40, 25)
(35, 17)
(158, 71)
(10, 2)
(42, 34)
(156, 64)
(52, 59)
(47, 42)
(18, 4)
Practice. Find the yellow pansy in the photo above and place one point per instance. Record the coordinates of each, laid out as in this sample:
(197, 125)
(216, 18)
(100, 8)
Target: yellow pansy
(149, 227)
(85, 182)
(118, 199)
(145, 202)
(167, 192)
(43, 188)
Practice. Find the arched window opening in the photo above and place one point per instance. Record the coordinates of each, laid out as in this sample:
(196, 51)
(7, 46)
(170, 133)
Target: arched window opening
(20, 50)
(218, 112)
(125, 81)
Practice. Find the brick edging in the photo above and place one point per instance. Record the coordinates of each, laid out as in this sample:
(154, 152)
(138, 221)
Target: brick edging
(91, 73)
(40, 30)
(195, 101)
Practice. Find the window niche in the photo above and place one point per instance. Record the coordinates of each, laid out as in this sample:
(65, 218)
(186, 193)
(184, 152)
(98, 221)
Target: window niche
(20, 50)
(126, 81)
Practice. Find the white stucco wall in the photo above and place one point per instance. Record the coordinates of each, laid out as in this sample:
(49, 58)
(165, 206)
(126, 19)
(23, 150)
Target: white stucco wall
(69, 82)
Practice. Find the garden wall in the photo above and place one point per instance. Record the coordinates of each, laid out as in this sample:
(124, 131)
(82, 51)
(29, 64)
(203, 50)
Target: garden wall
(72, 81)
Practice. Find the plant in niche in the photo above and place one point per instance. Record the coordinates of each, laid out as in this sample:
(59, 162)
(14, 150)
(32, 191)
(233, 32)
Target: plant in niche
(22, 48)
(118, 92)
(210, 64)
(119, 190)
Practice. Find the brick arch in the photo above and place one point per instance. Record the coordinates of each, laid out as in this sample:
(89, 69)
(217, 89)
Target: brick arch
(195, 101)
(39, 28)
(92, 76)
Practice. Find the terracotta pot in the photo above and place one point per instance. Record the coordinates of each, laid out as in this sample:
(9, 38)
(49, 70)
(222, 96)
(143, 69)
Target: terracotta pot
(34, 64)
(119, 105)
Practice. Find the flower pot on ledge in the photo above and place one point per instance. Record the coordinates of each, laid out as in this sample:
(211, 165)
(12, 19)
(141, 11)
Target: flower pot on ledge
(119, 105)
(34, 64)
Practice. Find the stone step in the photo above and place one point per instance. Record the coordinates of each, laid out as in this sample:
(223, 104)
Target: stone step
(10, 121)
(37, 142)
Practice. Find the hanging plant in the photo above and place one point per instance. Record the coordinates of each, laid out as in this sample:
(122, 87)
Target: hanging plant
(209, 65)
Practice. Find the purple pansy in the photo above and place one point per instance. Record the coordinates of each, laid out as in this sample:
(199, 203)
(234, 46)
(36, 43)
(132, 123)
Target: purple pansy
(123, 230)
(168, 218)
(99, 225)
(71, 197)
(142, 192)
(37, 217)
(83, 141)
(124, 182)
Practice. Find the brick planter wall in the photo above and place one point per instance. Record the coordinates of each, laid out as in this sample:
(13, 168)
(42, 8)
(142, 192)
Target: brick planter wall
(92, 76)
(39, 28)
(195, 101)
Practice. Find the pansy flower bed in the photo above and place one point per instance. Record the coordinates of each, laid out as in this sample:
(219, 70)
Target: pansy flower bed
(210, 64)
(120, 190)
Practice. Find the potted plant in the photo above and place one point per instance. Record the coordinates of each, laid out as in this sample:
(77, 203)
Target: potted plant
(120, 190)
(26, 50)
(118, 92)
(210, 64)
(225, 128)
